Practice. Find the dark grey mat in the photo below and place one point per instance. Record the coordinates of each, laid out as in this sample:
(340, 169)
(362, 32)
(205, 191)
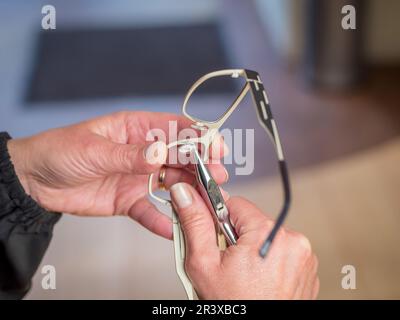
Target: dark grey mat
(99, 63)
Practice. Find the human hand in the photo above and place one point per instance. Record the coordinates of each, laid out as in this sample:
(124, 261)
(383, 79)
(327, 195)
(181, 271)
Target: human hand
(288, 272)
(100, 167)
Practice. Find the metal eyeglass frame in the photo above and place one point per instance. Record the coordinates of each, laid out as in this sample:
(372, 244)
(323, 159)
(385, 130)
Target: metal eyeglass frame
(266, 120)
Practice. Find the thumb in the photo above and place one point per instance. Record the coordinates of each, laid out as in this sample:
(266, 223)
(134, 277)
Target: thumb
(251, 224)
(138, 159)
(197, 225)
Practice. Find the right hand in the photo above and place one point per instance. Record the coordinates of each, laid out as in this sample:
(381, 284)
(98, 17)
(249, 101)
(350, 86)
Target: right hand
(100, 167)
(288, 272)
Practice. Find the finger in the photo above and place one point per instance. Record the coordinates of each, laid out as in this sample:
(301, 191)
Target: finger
(218, 172)
(151, 126)
(218, 148)
(308, 290)
(155, 126)
(315, 289)
(302, 291)
(175, 175)
(197, 225)
(245, 216)
(217, 151)
(146, 213)
(137, 159)
(167, 122)
(225, 194)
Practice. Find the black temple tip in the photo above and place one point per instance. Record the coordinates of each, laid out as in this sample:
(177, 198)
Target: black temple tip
(265, 248)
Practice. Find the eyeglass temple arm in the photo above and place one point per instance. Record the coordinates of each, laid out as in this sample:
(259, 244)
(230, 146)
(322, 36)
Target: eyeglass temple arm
(268, 123)
(284, 211)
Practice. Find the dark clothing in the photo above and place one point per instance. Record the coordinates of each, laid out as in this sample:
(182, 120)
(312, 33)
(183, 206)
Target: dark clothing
(25, 230)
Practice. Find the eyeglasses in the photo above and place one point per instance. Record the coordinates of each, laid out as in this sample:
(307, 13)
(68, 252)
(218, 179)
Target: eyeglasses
(266, 120)
(253, 84)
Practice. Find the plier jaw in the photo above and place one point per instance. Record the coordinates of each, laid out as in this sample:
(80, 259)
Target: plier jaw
(212, 195)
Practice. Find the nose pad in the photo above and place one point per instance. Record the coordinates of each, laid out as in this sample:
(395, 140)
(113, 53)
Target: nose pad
(187, 149)
(199, 126)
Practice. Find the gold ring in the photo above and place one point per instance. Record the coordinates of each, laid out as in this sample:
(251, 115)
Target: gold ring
(161, 179)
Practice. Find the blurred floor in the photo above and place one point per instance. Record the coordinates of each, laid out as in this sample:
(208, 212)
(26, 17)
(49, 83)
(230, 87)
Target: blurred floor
(350, 210)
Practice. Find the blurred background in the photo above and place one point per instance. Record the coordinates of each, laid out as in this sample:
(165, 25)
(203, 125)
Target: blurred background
(334, 94)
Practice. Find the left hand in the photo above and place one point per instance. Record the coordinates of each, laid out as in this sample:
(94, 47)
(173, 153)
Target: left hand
(100, 167)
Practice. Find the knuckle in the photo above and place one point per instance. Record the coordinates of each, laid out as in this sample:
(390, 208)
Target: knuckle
(315, 261)
(191, 219)
(194, 264)
(316, 289)
(199, 266)
(266, 224)
(123, 156)
(149, 167)
(281, 234)
(264, 228)
(122, 113)
(303, 243)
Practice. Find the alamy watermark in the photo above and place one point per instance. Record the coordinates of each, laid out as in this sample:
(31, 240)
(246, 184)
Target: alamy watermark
(49, 18)
(49, 277)
(349, 280)
(349, 18)
(239, 141)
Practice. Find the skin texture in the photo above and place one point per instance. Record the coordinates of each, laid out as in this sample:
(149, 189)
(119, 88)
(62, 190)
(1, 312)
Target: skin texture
(288, 272)
(98, 167)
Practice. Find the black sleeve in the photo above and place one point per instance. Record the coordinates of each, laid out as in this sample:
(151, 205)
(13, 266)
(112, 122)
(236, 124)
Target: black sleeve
(25, 230)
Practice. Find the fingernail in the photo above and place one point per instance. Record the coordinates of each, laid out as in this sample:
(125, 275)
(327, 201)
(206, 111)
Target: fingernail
(225, 194)
(226, 174)
(156, 153)
(226, 149)
(216, 146)
(225, 146)
(181, 195)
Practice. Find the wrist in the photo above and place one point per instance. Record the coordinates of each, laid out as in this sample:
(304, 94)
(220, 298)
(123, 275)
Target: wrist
(17, 154)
